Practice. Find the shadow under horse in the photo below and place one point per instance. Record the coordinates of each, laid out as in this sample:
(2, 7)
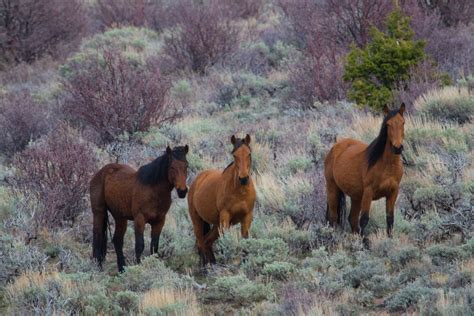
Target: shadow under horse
(142, 196)
(366, 173)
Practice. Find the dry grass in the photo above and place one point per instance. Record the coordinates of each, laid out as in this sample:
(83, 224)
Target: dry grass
(34, 279)
(163, 299)
(444, 95)
(269, 191)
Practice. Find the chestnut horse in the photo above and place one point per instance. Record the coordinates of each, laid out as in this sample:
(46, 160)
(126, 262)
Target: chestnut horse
(222, 198)
(366, 173)
(143, 196)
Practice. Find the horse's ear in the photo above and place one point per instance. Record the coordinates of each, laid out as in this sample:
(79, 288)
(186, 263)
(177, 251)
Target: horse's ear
(386, 109)
(168, 150)
(247, 139)
(233, 140)
(186, 149)
(402, 109)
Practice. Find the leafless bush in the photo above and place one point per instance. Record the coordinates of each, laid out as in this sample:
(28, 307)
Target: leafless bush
(317, 77)
(151, 13)
(244, 8)
(30, 29)
(22, 120)
(114, 95)
(204, 35)
(340, 21)
(453, 49)
(55, 171)
(452, 12)
(423, 78)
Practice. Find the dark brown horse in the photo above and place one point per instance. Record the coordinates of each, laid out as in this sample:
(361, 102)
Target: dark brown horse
(221, 199)
(366, 173)
(143, 196)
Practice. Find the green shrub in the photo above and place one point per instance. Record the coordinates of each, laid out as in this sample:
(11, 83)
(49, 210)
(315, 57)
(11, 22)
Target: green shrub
(260, 252)
(239, 290)
(151, 273)
(376, 69)
(279, 270)
(128, 301)
(18, 258)
(441, 254)
(299, 163)
(401, 257)
(410, 296)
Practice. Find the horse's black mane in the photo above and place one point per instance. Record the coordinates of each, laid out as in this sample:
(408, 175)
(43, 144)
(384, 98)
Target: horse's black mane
(237, 145)
(157, 170)
(376, 148)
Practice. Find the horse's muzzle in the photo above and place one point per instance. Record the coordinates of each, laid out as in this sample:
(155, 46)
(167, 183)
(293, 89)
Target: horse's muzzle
(244, 181)
(182, 193)
(397, 150)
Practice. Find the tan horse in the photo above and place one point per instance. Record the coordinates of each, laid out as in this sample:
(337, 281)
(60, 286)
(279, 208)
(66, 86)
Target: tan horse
(366, 173)
(142, 196)
(222, 198)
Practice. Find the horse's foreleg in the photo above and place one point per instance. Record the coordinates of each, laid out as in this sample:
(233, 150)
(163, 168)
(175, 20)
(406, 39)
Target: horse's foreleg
(155, 235)
(390, 208)
(365, 210)
(139, 241)
(245, 225)
(120, 229)
(224, 221)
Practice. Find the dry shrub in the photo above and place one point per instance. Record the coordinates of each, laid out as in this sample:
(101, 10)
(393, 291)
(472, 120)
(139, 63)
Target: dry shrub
(423, 78)
(317, 77)
(244, 8)
(30, 28)
(204, 36)
(114, 94)
(452, 12)
(22, 119)
(55, 171)
(339, 21)
(112, 13)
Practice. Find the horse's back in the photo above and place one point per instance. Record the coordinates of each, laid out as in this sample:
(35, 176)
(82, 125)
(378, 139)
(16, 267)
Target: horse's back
(203, 195)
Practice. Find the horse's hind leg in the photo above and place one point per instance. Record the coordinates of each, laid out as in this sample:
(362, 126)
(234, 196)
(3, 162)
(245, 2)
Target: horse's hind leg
(211, 237)
(198, 226)
(120, 229)
(354, 215)
(139, 222)
(333, 193)
(100, 221)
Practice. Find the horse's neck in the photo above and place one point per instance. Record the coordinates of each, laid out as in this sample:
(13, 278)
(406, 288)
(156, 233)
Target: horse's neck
(388, 157)
(231, 177)
(163, 186)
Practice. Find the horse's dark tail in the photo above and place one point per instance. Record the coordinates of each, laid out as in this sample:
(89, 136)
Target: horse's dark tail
(100, 219)
(341, 209)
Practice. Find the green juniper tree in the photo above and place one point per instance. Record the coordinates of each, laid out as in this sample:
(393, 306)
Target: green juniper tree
(375, 69)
